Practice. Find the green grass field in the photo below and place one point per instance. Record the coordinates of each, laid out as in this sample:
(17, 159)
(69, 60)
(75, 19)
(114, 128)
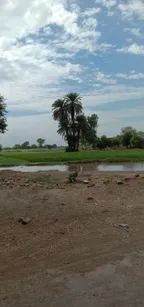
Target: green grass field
(19, 158)
(8, 161)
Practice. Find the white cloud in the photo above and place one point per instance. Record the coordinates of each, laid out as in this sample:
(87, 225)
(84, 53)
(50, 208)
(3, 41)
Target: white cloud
(107, 3)
(19, 18)
(91, 12)
(112, 93)
(103, 78)
(132, 9)
(44, 53)
(131, 76)
(134, 31)
(134, 49)
(33, 68)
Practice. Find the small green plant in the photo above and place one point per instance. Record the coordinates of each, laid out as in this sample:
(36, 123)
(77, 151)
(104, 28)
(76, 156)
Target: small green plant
(72, 177)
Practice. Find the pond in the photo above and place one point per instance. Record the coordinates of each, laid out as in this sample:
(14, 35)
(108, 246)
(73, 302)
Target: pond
(84, 167)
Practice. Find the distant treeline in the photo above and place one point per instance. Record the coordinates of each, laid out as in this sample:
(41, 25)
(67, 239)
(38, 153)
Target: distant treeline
(27, 145)
(129, 138)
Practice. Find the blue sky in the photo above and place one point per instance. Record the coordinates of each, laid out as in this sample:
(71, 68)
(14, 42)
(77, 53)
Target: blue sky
(49, 48)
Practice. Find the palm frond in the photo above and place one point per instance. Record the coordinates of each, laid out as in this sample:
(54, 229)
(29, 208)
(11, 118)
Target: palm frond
(58, 108)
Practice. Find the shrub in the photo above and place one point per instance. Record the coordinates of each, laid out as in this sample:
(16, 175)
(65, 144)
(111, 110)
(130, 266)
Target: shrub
(67, 149)
(72, 177)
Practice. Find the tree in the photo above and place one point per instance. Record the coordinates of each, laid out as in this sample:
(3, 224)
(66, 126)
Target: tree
(66, 112)
(102, 142)
(53, 146)
(17, 146)
(59, 110)
(126, 135)
(73, 125)
(3, 121)
(89, 131)
(48, 146)
(34, 146)
(40, 142)
(25, 145)
(116, 141)
(74, 106)
(1, 147)
(137, 140)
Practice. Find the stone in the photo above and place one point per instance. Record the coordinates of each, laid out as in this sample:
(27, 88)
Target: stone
(137, 175)
(90, 198)
(56, 220)
(24, 221)
(127, 178)
(119, 182)
(62, 232)
(91, 185)
(106, 182)
(85, 181)
(104, 211)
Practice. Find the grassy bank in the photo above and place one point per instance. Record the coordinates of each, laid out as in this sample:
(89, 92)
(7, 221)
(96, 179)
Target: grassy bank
(9, 161)
(18, 158)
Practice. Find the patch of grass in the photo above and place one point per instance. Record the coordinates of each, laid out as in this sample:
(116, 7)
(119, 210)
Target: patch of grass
(60, 157)
(10, 161)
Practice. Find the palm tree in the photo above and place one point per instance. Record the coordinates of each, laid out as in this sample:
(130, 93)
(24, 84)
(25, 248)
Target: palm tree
(74, 105)
(74, 108)
(63, 128)
(59, 109)
(65, 111)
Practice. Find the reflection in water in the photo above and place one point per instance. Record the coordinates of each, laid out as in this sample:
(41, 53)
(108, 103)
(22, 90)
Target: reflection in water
(106, 167)
(82, 167)
(85, 167)
(121, 167)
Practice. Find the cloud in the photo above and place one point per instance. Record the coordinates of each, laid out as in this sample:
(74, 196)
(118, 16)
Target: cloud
(24, 17)
(38, 41)
(91, 12)
(49, 48)
(132, 9)
(107, 3)
(134, 31)
(106, 79)
(133, 49)
(112, 93)
(131, 76)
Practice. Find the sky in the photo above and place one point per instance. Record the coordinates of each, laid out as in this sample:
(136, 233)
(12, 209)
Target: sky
(49, 48)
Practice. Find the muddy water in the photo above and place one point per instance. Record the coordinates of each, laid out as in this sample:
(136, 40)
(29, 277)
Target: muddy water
(80, 167)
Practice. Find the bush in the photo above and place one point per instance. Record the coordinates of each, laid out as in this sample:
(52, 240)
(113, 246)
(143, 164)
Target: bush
(72, 177)
(137, 141)
(67, 149)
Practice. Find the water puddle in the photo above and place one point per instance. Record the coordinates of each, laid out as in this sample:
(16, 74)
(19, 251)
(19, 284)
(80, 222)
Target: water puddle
(80, 167)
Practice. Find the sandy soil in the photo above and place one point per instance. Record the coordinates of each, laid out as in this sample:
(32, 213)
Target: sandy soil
(70, 254)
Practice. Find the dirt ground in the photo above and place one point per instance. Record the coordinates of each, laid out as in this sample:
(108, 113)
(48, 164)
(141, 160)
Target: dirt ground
(70, 254)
